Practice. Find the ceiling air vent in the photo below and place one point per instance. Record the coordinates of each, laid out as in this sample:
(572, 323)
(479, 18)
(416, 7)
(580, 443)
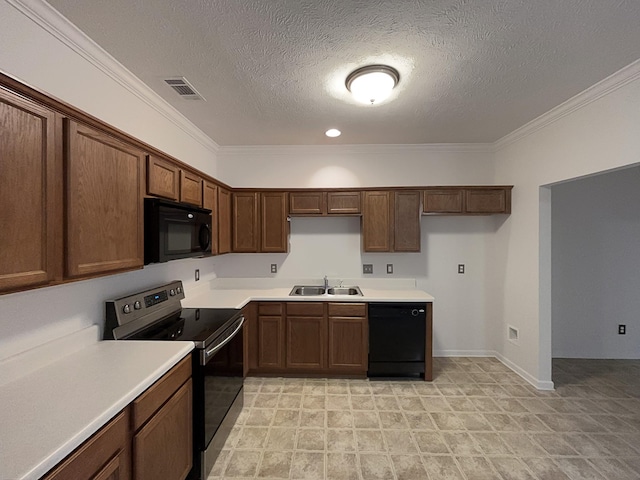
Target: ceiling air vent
(184, 88)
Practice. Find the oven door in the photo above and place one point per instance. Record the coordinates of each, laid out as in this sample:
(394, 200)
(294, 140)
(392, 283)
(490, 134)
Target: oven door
(218, 396)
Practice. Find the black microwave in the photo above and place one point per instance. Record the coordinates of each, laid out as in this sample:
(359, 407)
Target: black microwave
(175, 230)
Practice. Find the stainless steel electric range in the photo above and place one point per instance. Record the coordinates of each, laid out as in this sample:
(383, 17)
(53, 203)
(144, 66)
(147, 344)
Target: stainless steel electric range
(157, 314)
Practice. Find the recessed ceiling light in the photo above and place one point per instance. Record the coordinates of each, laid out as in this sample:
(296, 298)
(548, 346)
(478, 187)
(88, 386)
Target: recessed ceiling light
(333, 132)
(373, 83)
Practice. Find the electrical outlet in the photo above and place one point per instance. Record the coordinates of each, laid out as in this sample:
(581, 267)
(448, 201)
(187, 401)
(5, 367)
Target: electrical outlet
(274, 268)
(389, 268)
(367, 268)
(461, 268)
(622, 329)
(197, 274)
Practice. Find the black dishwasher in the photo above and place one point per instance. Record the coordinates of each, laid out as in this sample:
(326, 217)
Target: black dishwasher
(397, 338)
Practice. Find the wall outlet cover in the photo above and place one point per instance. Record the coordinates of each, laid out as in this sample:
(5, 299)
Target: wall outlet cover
(461, 268)
(389, 268)
(367, 268)
(622, 329)
(274, 268)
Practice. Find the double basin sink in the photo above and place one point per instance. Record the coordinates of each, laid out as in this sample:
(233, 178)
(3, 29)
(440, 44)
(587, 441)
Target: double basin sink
(313, 290)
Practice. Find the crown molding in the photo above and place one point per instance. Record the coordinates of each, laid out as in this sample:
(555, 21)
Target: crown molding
(368, 149)
(45, 16)
(610, 84)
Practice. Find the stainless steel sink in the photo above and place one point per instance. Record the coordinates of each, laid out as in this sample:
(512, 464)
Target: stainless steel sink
(307, 290)
(344, 291)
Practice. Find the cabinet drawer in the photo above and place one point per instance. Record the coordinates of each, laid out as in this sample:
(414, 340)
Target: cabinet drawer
(99, 454)
(305, 309)
(272, 308)
(345, 203)
(157, 394)
(347, 309)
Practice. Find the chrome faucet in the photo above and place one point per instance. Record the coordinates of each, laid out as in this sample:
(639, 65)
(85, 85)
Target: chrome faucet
(326, 282)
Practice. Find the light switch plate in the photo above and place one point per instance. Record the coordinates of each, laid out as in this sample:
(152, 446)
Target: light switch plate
(197, 274)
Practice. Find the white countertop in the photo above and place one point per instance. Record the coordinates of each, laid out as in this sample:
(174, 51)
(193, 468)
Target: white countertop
(51, 410)
(236, 293)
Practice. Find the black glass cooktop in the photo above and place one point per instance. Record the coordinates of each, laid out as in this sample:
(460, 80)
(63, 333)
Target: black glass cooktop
(199, 325)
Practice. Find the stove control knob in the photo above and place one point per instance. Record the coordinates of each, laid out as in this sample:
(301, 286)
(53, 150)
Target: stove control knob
(126, 308)
(137, 305)
(172, 292)
(179, 289)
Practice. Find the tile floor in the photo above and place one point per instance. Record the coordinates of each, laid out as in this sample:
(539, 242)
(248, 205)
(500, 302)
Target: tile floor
(477, 420)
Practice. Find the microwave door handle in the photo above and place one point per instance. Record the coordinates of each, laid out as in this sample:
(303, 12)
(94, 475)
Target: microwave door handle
(212, 350)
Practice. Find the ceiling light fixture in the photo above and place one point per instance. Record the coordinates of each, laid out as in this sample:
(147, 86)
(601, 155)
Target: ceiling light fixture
(333, 132)
(372, 84)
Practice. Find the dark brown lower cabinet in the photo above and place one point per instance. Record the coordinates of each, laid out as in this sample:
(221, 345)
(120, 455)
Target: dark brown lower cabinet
(313, 338)
(306, 336)
(150, 439)
(348, 337)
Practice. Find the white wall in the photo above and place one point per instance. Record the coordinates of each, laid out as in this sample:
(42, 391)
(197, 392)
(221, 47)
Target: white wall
(332, 246)
(600, 135)
(595, 266)
(40, 59)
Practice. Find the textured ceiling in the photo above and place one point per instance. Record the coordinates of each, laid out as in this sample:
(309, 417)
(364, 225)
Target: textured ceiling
(272, 71)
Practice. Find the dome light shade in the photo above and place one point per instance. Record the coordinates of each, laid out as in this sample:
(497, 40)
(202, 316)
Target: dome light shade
(333, 132)
(372, 84)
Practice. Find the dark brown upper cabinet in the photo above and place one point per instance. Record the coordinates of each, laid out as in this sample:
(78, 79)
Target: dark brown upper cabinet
(210, 201)
(31, 214)
(467, 200)
(317, 202)
(224, 220)
(163, 178)
(260, 222)
(190, 188)
(245, 223)
(104, 210)
(391, 221)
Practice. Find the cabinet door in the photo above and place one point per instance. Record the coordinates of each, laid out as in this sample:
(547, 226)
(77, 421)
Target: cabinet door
(306, 203)
(28, 199)
(245, 222)
(376, 221)
(163, 448)
(103, 203)
(306, 340)
(224, 220)
(488, 200)
(210, 201)
(190, 188)
(163, 178)
(274, 231)
(348, 340)
(270, 342)
(443, 201)
(406, 231)
(343, 203)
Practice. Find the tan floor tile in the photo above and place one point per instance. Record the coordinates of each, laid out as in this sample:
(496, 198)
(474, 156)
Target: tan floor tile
(386, 402)
(511, 405)
(502, 422)
(275, 465)
(266, 400)
(408, 467)
(545, 469)
(362, 402)
(364, 419)
(243, 463)
(462, 404)
(393, 420)
(461, 443)
(522, 445)
(511, 468)
(338, 419)
(412, 404)
(447, 421)
(260, 417)
(281, 438)
(612, 468)
(311, 439)
(419, 421)
(435, 404)
(476, 468)
(491, 443)
(442, 468)
(313, 418)
(338, 389)
(314, 402)
(286, 418)
(252, 437)
(431, 442)
(530, 422)
(375, 467)
(369, 440)
(579, 468)
(337, 402)
(342, 466)
(341, 440)
(308, 466)
(399, 441)
(553, 444)
(288, 400)
(474, 422)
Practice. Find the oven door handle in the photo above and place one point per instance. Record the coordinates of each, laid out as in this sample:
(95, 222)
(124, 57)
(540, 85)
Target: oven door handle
(212, 350)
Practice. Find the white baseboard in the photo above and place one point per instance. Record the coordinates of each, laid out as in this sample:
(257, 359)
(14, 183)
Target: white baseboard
(539, 384)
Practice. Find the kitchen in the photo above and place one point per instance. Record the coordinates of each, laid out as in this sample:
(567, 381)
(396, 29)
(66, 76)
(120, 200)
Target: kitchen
(504, 258)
